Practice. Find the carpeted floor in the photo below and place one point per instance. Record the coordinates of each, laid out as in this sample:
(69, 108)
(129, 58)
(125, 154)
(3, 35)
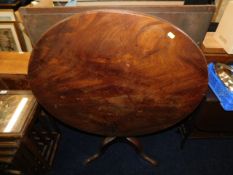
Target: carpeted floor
(199, 157)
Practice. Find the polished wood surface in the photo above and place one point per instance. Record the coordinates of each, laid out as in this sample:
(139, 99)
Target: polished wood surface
(14, 62)
(13, 70)
(117, 73)
(189, 18)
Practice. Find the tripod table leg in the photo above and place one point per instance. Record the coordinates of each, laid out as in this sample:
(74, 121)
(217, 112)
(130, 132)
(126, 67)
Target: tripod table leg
(139, 149)
(105, 143)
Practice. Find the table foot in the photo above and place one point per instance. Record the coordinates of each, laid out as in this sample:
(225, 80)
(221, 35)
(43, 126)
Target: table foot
(105, 143)
(130, 140)
(139, 149)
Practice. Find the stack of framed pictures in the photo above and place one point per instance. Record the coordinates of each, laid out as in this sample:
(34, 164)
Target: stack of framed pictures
(28, 136)
(10, 39)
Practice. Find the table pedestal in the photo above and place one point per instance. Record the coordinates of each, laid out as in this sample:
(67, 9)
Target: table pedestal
(130, 140)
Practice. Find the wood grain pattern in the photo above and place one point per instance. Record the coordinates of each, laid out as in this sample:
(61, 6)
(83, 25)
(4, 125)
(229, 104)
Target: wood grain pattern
(117, 73)
(14, 62)
(189, 18)
(13, 70)
(14, 82)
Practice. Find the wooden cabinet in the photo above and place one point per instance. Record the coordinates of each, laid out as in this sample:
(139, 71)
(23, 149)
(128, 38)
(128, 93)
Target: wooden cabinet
(208, 121)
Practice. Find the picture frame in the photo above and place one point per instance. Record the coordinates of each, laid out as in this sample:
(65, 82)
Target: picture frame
(7, 15)
(9, 40)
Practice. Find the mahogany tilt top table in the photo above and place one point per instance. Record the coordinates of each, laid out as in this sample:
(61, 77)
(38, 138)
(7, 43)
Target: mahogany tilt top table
(117, 73)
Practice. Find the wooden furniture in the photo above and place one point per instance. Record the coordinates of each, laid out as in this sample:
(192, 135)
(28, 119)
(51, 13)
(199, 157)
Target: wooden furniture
(14, 65)
(13, 70)
(26, 145)
(208, 121)
(187, 17)
(117, 73)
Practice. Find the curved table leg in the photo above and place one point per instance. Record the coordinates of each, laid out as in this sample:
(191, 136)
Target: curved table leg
(139, 149)
(131, 140)
(105, 143)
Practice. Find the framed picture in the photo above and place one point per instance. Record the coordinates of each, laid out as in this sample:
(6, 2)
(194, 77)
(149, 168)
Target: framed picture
(9, 40)
(7, 15)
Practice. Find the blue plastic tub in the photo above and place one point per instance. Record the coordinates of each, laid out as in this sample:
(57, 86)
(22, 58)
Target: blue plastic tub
(224, 95)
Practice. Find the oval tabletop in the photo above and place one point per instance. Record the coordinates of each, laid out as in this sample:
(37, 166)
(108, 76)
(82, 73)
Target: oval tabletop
(117, 73)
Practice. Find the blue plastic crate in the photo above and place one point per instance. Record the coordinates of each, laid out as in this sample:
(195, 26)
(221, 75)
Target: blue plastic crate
(224, 95)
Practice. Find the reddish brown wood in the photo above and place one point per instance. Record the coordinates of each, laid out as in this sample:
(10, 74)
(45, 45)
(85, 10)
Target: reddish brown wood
(117, 73)
(187, 17)
(14, 82)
